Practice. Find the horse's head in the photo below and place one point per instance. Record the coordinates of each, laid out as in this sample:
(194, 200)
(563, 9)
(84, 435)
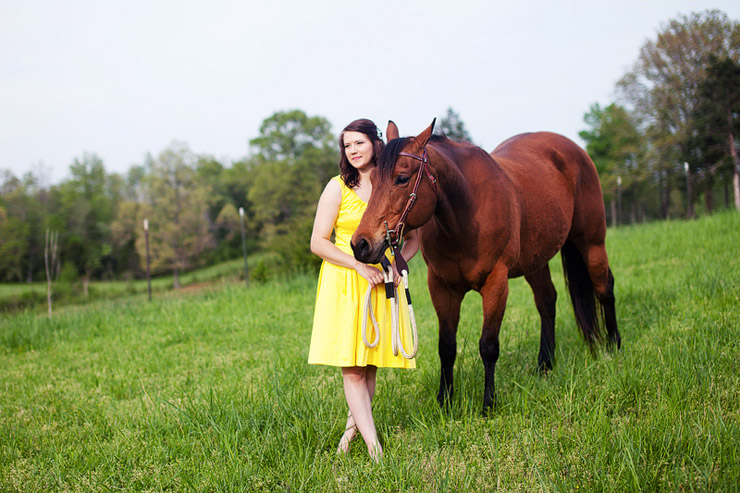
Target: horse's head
(404, 194)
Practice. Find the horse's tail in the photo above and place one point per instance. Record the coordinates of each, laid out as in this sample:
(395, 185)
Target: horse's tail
(588, 318)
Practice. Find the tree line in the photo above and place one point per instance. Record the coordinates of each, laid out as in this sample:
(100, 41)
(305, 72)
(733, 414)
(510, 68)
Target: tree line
(670, 139)
(667, 141)
(191, 203)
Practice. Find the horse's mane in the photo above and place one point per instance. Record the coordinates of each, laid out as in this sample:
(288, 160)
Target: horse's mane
(393, 149)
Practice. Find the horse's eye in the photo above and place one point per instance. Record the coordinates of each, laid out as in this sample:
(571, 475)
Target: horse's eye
(401, 180)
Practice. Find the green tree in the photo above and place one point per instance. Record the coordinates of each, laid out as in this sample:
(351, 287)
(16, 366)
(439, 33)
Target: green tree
(288, 135)
(663, 86)
(13, 230)
(237, 181)
(210, 172)
(13, 246)
(25, 216)
(125, 230)
(614, 144)
(177, 209)
(296, 156)
(717, 117)
(452, 126)
(87, 205)
(213, 174)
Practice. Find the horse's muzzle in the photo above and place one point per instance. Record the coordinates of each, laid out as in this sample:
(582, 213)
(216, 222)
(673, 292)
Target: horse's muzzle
(365, 253)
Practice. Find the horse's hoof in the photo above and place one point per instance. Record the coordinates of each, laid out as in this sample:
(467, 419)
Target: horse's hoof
(614, 344)
(488, 410)
(544, 367)
(445, 402)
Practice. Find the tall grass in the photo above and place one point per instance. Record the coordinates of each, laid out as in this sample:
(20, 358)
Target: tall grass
(211, 391)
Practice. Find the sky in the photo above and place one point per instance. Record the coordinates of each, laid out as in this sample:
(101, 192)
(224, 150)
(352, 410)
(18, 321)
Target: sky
(122, 79)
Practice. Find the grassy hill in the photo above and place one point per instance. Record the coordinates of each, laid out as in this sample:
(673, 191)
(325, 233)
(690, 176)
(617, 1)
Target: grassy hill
(210, 390)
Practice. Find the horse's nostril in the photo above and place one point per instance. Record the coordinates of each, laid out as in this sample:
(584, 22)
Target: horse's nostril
(360, 249)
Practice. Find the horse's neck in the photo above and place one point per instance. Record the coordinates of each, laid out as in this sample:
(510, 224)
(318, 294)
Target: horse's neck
(461, 172)
(453, 213)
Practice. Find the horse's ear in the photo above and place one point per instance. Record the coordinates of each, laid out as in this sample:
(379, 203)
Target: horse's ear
(392, 131)
(422, 139)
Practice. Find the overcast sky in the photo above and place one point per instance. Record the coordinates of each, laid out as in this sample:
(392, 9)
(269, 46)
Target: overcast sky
(126, 78)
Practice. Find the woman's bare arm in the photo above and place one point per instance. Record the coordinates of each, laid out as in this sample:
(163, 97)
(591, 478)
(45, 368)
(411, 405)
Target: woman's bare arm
(321, 245)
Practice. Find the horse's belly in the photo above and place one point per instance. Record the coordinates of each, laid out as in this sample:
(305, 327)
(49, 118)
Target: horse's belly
(541, 236)
(531, 262)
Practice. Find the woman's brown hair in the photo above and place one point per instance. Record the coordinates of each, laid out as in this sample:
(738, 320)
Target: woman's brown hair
(349, 174)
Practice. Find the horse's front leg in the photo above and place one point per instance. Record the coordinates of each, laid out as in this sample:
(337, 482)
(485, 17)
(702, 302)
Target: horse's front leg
(446, 303)
(494, 294)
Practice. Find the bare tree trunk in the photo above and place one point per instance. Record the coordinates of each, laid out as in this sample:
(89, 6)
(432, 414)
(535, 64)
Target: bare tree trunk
(176, 278)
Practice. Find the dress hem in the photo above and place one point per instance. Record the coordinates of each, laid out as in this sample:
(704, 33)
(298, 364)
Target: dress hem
(362, 366)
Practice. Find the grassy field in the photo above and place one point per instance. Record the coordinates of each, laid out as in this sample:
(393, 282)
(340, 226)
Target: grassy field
(210, 390)
(16, 296)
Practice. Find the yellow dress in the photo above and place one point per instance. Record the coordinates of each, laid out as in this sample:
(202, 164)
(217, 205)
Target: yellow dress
(336, 339)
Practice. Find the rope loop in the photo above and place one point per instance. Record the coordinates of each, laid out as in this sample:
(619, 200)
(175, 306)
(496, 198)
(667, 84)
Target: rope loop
(391, 294)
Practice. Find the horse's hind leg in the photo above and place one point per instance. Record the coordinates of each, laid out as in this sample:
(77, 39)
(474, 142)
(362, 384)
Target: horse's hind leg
(545, 298)
(603, 280)
(447, 305)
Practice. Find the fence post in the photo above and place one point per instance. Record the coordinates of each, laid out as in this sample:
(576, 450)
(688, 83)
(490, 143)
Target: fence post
(50, 242)
(244, 245)
(689, 203)
(619, 199)
(148, 260)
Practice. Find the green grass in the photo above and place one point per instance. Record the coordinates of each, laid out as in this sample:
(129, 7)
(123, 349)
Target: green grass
(211, 391)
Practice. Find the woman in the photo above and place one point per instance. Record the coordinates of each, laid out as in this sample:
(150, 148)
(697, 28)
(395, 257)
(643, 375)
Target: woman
(337, 339)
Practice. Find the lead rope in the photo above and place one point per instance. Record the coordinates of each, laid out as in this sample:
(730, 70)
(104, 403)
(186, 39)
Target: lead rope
(391, 294)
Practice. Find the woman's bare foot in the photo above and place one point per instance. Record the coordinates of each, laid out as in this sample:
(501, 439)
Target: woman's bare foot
(376, 452)
(350, 431)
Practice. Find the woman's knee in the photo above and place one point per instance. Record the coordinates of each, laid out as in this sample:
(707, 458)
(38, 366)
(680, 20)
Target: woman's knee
(355, 374)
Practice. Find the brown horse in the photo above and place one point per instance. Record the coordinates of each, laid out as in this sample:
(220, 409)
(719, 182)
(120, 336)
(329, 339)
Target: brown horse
(483, 219)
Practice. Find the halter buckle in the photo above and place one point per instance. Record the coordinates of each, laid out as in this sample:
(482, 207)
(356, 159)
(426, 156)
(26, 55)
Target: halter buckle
(388, 239)
(391, 237)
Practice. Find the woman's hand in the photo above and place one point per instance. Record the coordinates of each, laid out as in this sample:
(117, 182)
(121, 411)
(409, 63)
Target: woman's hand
(370, 273)
(396, 276)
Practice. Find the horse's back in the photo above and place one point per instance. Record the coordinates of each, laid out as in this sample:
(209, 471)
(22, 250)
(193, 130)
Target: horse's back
(558, 190)
(531, 158)
(545, 149)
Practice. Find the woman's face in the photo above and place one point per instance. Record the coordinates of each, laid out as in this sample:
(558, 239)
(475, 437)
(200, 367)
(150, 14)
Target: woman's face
(358, 148)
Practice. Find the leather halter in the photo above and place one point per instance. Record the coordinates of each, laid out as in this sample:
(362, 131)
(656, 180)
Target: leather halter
(392, 235)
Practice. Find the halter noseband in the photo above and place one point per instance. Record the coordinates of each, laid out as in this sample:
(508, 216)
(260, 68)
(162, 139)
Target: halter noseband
(393, 235)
